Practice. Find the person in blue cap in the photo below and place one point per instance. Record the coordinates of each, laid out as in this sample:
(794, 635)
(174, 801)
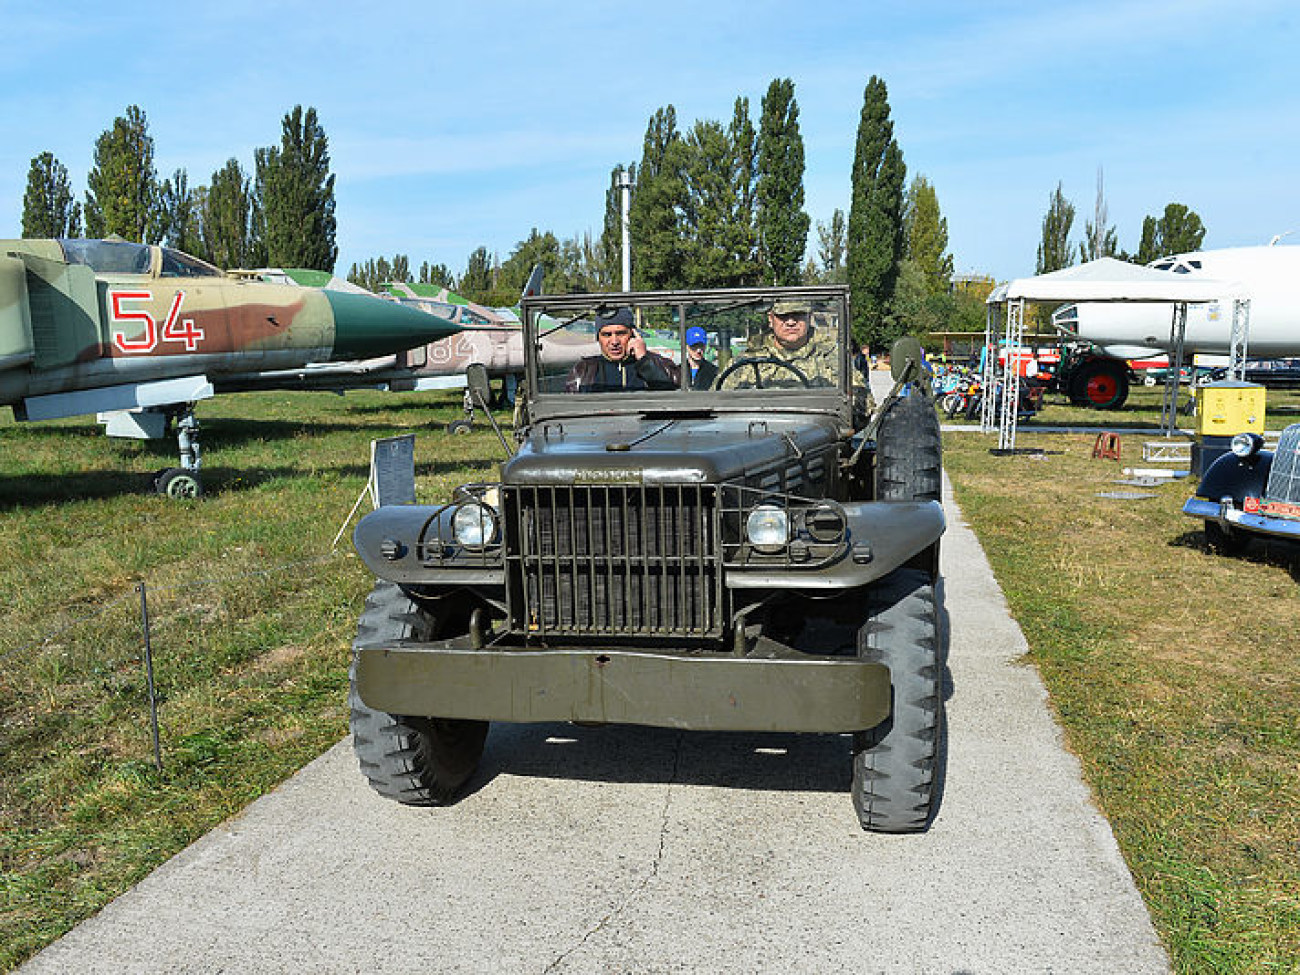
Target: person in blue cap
(703, 372)
(624, 362)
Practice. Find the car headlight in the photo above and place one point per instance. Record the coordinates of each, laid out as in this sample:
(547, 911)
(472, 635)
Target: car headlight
(1246, 444)
(474, 525)
(768, 528)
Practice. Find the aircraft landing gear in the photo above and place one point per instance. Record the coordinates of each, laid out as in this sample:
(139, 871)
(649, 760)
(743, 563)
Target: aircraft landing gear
(466, 423)
(183, 481)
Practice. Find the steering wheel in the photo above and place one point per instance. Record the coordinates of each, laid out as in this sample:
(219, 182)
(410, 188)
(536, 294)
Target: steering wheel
(757, 361)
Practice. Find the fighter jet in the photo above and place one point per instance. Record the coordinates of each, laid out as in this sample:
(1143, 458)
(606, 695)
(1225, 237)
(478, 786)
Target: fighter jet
(490, 336)
(138, 333)
(1269, 277)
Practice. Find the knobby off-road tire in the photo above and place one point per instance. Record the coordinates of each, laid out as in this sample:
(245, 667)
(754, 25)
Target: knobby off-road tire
(413, 759)
(895, 763)
(909, 451)
(909, 462)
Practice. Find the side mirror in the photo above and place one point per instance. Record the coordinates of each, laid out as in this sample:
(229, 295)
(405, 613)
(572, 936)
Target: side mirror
(906, 359)
(479, 387)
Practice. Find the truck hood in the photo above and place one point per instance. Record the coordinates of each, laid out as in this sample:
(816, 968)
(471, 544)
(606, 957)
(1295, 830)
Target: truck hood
(708, 450)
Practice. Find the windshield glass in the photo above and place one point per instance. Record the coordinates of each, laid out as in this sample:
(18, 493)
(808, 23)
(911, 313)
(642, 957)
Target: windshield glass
(748, 345)
(178, 264)
(108, 256)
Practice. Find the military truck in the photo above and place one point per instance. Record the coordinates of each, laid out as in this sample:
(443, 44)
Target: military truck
(760, 555)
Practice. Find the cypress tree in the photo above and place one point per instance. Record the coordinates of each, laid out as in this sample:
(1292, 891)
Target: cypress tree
(49, 208)
(782, 223)
(875, 236)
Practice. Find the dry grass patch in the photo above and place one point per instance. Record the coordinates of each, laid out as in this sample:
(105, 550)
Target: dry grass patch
(1175, 675)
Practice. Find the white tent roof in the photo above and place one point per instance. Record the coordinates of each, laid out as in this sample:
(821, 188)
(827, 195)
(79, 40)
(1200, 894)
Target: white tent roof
(1108, 279)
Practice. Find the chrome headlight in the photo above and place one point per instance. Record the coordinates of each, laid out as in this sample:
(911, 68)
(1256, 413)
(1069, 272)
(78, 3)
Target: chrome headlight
(768, 528)
(1246, 444)
(474, 525)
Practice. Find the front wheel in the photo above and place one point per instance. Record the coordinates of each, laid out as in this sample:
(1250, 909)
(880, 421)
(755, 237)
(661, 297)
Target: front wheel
(179, 483)
(414, 759)
(896, 763)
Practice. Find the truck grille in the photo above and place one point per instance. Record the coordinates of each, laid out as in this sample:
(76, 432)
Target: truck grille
(613, 560)
(1284, 474)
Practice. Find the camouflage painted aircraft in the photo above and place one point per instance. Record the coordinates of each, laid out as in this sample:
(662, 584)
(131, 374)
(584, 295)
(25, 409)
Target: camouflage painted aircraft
(138, 333)
(492, 337)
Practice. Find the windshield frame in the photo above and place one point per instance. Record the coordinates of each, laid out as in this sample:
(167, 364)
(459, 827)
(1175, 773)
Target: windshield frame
(833, 400)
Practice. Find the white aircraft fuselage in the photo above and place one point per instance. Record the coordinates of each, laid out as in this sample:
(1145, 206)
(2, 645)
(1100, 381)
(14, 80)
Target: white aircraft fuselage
(1268, 276)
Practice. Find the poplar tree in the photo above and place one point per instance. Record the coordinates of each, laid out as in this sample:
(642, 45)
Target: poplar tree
(782, 222)
(1178, 230)
(49, 207)
(181, 216)
(227, 211)
(1054, 251)
(1099, 240)
(927, 236)
(123, 189)
(875, 239)
(657, 206)
(436, 274)
(296, 195)
(476, 282)
(831, 246)
(743, 221)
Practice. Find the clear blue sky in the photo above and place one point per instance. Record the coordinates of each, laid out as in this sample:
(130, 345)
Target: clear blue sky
(459, 124)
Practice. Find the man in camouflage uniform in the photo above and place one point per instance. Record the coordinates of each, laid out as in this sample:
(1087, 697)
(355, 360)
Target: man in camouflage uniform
(793, 339)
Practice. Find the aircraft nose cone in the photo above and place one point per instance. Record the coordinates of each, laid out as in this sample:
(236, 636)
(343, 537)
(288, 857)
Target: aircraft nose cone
(365, 326)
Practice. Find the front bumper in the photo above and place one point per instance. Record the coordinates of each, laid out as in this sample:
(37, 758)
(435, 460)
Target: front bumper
(1230, 516)
(690, 691)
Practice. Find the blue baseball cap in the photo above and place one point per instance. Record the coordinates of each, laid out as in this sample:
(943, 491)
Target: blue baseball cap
(696, 336)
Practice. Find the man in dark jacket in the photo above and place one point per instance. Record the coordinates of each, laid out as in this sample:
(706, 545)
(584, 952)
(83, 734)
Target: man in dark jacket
(624, 363)
(703, 372)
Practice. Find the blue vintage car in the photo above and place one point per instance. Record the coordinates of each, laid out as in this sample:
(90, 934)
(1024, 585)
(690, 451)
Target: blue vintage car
(1251, 491)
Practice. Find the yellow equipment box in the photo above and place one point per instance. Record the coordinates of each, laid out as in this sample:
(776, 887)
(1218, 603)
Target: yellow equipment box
(1227, 408)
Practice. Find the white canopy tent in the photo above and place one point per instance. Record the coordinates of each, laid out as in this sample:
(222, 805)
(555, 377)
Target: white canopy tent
(1108, 280)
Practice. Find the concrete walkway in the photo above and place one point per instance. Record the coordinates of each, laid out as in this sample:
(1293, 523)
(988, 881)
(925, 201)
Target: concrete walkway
(598, 850)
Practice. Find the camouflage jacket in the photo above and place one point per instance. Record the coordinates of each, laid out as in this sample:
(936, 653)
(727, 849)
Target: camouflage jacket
(818, 359)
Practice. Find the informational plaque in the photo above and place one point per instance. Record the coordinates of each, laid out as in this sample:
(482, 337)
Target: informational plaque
(392, 470)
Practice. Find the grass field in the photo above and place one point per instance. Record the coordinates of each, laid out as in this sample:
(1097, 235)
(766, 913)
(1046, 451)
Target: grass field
(1174, 672)
(251, 615)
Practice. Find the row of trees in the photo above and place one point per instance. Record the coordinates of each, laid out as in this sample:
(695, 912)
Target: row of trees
(282, 214)
(1176, 231)
(722, 205)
